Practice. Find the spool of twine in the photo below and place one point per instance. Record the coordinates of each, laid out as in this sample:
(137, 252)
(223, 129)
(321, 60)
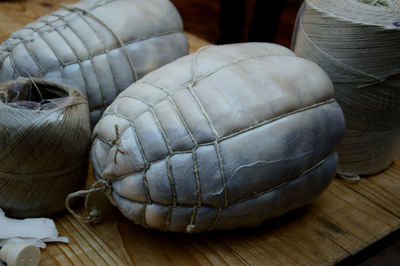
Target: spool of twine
(44, 143)
(357, 42)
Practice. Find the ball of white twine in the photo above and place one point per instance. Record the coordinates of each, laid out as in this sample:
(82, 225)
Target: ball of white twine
(44, 142)
(357, 42)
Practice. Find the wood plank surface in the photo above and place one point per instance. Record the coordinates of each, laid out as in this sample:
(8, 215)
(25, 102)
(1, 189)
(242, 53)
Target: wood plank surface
(345, 219)
(382, 189)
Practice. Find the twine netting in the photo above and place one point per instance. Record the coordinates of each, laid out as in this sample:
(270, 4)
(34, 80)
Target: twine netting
(44, 142)
(98, 47)
(170, 159)
(357, 43)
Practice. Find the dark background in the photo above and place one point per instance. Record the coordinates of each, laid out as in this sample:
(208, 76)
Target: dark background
(231, 21)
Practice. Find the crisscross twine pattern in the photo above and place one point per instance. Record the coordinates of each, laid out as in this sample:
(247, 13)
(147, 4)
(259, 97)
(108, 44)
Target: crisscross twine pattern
(357, 43)
(97, 72)
(214, 139)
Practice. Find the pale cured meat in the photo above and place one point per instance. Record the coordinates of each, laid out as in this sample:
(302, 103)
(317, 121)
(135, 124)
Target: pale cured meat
(99, 47)
(228, 137)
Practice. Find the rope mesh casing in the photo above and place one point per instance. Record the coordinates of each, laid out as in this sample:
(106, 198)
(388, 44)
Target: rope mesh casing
(99, 47)
(219, 139)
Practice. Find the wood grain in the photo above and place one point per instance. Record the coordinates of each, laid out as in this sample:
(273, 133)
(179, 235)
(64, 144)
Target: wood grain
(338, 224)
(16, 13)
(383, 189)
(345, 219)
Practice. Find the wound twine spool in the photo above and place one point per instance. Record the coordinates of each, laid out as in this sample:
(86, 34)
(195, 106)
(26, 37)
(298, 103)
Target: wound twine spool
(357, 42)
(44, 142)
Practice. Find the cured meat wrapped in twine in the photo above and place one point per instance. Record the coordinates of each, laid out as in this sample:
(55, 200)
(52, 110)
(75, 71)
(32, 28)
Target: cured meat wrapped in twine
(227, 137)
(357, 43)
(44, 142)
(98, 47)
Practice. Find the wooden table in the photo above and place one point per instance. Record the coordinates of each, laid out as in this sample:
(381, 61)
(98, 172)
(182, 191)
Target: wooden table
(347, 218)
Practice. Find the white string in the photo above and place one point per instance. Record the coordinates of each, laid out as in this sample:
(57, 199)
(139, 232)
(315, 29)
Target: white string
(357, 43)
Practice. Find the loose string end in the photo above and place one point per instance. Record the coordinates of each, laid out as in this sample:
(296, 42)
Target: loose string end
(348, 176)
(91, 214)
